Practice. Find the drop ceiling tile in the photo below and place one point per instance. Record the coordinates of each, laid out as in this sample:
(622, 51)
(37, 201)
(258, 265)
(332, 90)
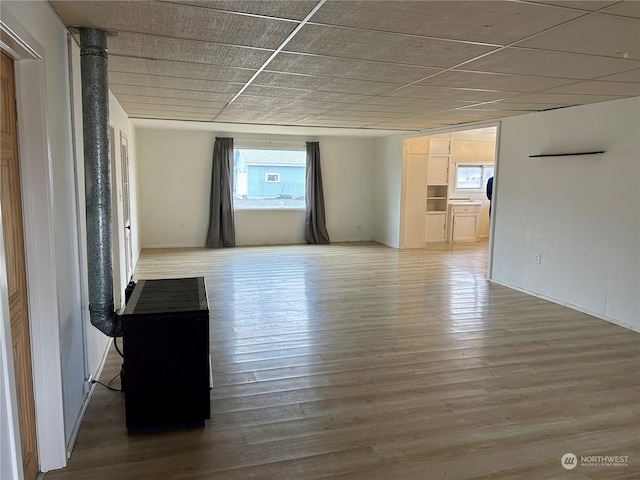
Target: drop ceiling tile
(265, 91)
(313, 122)
(165, 48)
(169, 19)
(594, 87)
(459, 94)
(292, 9)
(161, 116)
(327, 84)
(117, 78)
(511, 106)
(595, 34)
(151, 100)
(414, 102)
(284, 103)
(382, 46)
(627, 8)
(560, 99)
(488, 21)
(400, 109)
(359, 116)
(169, 93)
(493, 81)
(348, 68)
(632, 76)
(169, 108)
(410, 124)
(504, 112)
(170, 68)
(261, 90)
(550, 64)
(457, 115)
(267, 109)
(259, 118)
(589, 5)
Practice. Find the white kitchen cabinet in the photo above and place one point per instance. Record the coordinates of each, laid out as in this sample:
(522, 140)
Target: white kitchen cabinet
(437, 189)
(439, 146)
(435, 223)
(438, 170)
(463, 221)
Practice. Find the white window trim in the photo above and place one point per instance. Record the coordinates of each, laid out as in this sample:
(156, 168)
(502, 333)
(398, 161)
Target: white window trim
(247, 143)
(471, 190)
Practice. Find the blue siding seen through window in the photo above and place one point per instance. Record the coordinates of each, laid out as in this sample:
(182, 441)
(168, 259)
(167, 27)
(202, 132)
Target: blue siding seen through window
(269, 178)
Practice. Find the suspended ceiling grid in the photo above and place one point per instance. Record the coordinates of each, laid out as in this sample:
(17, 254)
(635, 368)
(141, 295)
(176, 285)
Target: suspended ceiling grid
(397, 65)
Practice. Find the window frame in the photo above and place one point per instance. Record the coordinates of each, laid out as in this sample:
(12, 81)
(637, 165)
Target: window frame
(281, 146)
(276, 175)
(482, 167)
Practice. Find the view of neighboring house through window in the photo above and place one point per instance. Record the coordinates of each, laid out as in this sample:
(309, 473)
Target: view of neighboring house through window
(473, 177)
(268, 179)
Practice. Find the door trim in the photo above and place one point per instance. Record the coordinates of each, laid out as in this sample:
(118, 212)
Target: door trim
(39, 241)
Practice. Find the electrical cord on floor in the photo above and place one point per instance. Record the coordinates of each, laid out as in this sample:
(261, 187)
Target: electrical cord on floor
(115, 343)
(119, 374)
(108, 384)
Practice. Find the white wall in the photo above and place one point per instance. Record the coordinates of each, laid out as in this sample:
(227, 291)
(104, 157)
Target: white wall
(121, 124)
(65, 348)
(46, 158)
(387, 187)
(174, 185)
(94, 343)
(174, 178)
(579, 213)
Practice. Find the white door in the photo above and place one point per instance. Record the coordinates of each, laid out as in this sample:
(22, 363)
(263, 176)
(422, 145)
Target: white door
(126, 206)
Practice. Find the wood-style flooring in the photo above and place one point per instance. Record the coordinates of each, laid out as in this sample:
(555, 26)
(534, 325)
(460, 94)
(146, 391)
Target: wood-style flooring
(362, 362)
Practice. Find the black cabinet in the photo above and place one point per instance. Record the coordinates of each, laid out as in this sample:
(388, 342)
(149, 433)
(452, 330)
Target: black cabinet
(166, 371)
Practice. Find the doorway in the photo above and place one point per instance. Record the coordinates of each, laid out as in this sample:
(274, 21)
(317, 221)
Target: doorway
(444, 188)
(126, 207)
(13, 236)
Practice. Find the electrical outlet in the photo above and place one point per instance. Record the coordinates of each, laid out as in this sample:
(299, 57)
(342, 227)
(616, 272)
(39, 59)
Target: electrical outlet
(539, 258)
(88, 383)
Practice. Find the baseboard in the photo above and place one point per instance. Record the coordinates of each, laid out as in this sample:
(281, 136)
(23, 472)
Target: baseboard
(85, 401)
(569, 305)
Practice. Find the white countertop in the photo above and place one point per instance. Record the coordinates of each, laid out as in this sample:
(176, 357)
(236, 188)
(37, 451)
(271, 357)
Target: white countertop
(465, 202)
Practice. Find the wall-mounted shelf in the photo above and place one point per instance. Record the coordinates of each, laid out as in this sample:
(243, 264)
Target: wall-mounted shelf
(564, 154)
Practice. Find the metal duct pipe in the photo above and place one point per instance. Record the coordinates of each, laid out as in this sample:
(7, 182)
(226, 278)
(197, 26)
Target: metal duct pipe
(97, 175)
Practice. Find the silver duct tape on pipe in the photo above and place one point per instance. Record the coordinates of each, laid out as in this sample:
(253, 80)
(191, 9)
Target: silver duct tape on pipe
(97, 171)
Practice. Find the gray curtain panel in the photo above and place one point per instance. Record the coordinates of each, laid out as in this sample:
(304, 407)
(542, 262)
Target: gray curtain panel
(315, 229)
(221, 232)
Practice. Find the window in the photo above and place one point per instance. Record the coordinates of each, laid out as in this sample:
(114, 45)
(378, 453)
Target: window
(268, 179)
(473, 177)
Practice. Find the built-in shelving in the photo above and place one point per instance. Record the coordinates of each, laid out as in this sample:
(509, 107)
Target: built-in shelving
(437, 189)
